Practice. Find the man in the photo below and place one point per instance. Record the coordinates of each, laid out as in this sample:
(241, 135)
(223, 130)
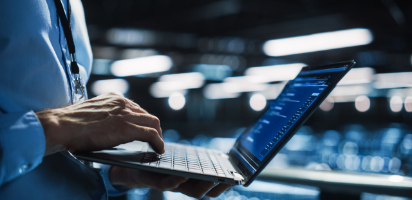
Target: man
(41, 122)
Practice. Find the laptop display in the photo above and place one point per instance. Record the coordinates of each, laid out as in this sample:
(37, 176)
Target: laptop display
(257, 145)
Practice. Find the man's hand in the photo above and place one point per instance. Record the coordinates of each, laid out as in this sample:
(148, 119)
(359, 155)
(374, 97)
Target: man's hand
(102, 122)
(134, 178)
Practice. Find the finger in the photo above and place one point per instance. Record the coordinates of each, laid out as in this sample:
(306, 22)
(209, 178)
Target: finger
(159, 181)
(195, 188)
(216, 191)
(145, 120)
(145, 134)
(172, 182)
(134, 106)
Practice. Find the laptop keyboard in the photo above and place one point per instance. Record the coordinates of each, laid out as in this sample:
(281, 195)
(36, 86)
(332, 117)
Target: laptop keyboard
(186, 158)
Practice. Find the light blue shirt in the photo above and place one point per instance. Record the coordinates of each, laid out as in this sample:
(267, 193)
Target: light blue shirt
(34, 75)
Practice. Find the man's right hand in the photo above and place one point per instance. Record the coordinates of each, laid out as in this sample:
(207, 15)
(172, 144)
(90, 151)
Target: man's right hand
(102, 122)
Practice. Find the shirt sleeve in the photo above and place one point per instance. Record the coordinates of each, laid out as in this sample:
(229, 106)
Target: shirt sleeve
(22, 144)
(111, 190)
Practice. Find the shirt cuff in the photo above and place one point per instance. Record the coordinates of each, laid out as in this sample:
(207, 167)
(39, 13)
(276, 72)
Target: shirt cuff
(22, 144)
(111, 190)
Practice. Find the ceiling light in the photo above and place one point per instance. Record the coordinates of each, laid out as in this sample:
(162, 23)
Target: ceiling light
(219, 91)
(276, 72)
(142, 65)
(111, 85)
(318, 42)
(358, 76)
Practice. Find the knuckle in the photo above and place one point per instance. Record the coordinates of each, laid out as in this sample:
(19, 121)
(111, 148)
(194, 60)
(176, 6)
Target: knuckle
(156, 120)
(151, 133)
(120, 101)
(114, 94)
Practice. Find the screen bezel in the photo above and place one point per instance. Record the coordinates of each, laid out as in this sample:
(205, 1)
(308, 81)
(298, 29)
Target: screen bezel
(249, 177)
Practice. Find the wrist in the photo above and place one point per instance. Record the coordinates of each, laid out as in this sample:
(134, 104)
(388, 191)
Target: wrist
(50, 123)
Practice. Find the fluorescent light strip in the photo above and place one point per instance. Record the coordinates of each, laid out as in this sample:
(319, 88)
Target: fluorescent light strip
(318, 42)
(393, 80)
(218, 91)
(182, 81)
(358, 76)
(143, 65)
(276, 72)
(110, 85)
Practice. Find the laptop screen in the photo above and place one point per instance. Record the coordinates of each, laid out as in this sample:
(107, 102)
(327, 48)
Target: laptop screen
(257, 145)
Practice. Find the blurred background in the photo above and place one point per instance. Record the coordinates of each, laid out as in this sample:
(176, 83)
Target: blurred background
(208, 69)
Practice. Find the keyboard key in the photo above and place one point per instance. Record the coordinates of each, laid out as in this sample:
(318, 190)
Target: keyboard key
(165, 165)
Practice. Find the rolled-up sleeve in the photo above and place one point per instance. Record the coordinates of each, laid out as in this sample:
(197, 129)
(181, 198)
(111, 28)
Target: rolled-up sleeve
(22, 144)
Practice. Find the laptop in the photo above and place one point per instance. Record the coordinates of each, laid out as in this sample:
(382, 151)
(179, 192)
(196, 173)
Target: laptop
(253, 149)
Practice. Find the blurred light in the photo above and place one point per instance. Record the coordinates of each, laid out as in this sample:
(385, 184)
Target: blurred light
(396, 104)
(408, 104)
(138, 194)
(340, 162)
(352, 162)
(176, 83)
(327, 104)
(351, 90)
(101, 66)
(342, 99)
(395, 178)
(350, 148)
(143, 65)
(407, 142)
(181, 81)
(393, 80)
(214, 72)
(177, 101)
(301, 143)
(257, 102)
(158, 92)
(366, 163)
(244, 84)
(276, 72)
(130, 37)
(331, 138)
(110, 85)
(136, 53)
(232, 195)
(222, 144)
(362, 103)
(376, 164)
(273, 90)
(219, 91)
(318, 42)
(358, 76)
(394, 165)
(96, 165)
(276, 188)
(168, 195)
(171, 135)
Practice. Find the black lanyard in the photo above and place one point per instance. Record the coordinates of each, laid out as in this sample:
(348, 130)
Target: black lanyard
(74, 68)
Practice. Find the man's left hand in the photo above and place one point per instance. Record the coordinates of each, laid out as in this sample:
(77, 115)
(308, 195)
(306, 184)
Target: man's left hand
(134, 178)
